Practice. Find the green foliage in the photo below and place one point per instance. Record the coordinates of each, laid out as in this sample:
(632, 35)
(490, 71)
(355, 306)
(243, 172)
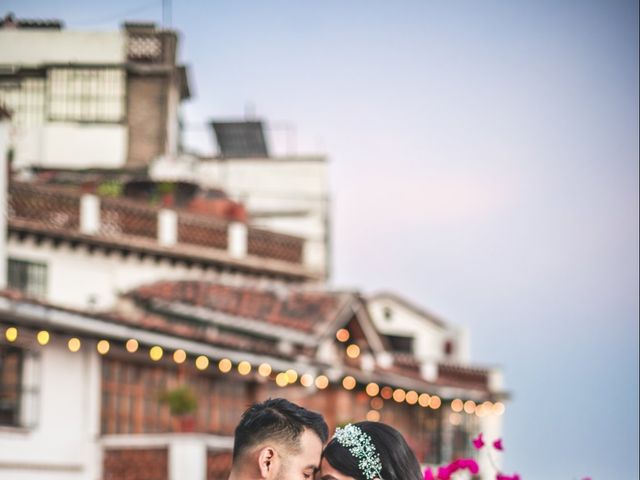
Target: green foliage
(181, 400)
(109, 188)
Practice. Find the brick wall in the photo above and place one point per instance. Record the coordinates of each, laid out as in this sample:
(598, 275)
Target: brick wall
(218, 465)
(135, 464)
(147, 104)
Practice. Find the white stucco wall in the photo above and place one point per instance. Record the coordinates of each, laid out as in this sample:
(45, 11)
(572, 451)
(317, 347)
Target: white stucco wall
(79, 279)
(429, 337)
(31, 47)
(62, 443)
(79, 145)
(288, 195)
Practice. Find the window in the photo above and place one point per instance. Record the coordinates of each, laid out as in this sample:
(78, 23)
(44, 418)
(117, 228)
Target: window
(448, 348)
(400, 343)
(87, 94)
(130, 398)
(28, 277)
(11, 362)
(24, 97)
(388, 314)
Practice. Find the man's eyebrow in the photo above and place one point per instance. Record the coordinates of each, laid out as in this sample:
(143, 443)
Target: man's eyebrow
(328, 477)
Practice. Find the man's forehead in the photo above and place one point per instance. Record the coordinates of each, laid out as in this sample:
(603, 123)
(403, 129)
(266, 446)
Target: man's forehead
(310, 447)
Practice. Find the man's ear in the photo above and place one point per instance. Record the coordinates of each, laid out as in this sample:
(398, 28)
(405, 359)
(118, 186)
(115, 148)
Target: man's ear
(268, 462)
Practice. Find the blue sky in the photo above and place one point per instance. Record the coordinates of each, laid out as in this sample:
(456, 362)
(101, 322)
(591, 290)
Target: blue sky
(484, 163)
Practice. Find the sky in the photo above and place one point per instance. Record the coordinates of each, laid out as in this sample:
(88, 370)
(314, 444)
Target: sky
(483, 163)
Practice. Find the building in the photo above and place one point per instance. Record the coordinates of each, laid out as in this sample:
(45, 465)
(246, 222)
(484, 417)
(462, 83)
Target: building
(90, 276)
(87, 99)
(287, 194)
(120, 287)
(81, 390)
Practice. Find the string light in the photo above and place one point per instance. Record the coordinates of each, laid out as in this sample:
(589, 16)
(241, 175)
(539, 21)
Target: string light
(306, 380)
(322, 382)
(132, 345)
(202, 362)
(455, 418)
(264, 369)
(225, 365)
(343, 335)
(43, 337)
(498, 408)
(11, 334)
(469, 406)
(373, 416)
(103, 347)
(412, 397)
(399, 395)
(292, 375)
(353, 351)
(155, 353)
(349, 383)
(289, 377)
(179, 356)
(282, 379)
(244, 368)
(386, 392)
(483, 409)
(74, 344)
(372, 389)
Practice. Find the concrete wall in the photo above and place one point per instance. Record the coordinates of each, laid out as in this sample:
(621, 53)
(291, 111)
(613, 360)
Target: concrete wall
(37, 47)
(61, 444)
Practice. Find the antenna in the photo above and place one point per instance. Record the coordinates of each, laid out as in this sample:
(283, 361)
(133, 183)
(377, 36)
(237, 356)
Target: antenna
(166, 13)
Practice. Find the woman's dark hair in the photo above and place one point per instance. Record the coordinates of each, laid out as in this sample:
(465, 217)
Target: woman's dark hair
(398, 461)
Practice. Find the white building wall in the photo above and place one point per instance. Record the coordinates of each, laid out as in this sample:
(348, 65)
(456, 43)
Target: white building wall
(429, 338)
(4, 150)
(31, 47)
(62, 442)
(288, 195)
(79, 279)
(80, 145)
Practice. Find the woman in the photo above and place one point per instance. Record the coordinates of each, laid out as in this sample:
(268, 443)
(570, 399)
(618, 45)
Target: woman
(368, 451)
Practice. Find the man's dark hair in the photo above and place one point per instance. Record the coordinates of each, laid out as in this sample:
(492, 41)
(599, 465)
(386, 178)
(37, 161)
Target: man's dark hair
(279, 420)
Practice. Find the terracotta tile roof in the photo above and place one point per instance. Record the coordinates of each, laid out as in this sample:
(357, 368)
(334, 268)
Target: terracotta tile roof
(298, 309)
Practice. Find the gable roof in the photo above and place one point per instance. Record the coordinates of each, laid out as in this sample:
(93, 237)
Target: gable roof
(393, 297)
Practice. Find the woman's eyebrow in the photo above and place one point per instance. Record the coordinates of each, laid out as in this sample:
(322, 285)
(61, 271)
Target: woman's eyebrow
(328, 477)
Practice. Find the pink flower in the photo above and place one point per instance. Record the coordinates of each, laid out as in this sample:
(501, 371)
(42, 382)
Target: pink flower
(500, 476)
(467, 464)
(444, 473)
(478, 443)
(498, 445)
(428, 475)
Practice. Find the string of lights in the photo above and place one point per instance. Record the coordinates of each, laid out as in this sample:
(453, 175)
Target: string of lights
(379, 394)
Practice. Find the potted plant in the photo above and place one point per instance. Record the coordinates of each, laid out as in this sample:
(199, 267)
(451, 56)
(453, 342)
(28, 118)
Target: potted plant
(182, 403)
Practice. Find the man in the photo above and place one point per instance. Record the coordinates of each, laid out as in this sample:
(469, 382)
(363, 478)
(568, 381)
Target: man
(278, 440)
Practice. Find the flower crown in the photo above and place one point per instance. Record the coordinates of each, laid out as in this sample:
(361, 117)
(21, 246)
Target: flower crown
(362, 448)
